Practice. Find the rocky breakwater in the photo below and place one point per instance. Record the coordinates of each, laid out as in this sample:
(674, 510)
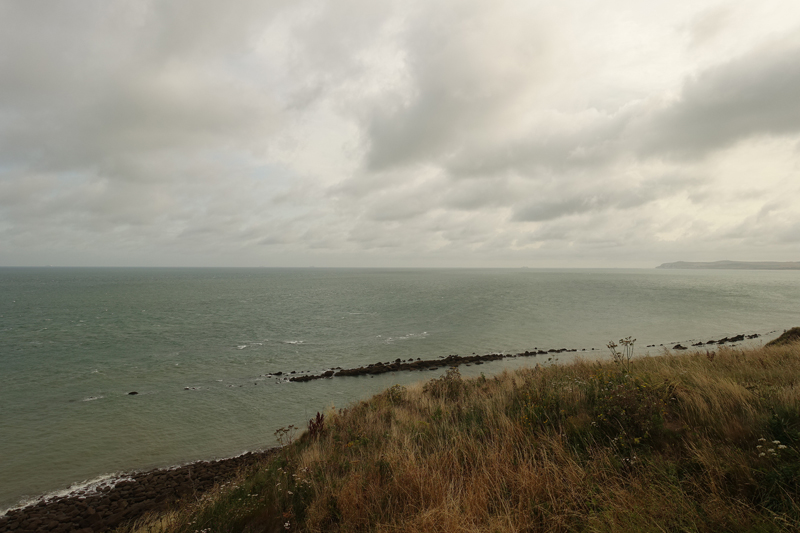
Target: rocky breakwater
(419, 364)
(399, 365)
(132, 495)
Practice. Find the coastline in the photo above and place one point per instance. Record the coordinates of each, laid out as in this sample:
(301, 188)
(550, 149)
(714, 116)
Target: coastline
(701, 439)
(455, 360)
(106, 504)
(124, 497)
(731, 265)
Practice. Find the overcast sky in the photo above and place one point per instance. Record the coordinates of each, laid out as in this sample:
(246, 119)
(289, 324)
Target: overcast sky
(475, 133)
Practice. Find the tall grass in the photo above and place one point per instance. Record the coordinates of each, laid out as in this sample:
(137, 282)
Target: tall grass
(691, 442)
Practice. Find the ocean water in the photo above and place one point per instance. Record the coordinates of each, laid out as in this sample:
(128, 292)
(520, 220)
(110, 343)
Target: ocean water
(75, 342)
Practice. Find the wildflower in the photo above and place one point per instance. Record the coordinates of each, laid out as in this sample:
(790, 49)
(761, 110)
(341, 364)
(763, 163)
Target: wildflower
(762, 454)
(781, 446)
(771, 450)
(776, 442)
(759, 447)
(762, 439)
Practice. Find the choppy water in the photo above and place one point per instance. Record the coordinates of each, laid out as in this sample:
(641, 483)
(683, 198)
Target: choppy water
(75, 342)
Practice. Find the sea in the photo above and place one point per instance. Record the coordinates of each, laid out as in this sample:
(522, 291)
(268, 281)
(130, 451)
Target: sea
(201, 348)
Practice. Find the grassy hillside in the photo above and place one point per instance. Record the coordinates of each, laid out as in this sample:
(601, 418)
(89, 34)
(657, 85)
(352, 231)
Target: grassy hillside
(703, 441)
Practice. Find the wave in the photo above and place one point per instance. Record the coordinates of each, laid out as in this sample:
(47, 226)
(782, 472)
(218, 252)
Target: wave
(81, 488)
(248, 345)
(410, 336)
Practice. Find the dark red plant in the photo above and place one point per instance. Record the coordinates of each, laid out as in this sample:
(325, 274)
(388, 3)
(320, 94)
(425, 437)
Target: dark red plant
(316, 426)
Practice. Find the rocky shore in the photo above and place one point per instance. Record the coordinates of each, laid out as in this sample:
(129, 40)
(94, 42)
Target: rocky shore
(420, 364)
(129, 498)
(456, 360)
(132, 495)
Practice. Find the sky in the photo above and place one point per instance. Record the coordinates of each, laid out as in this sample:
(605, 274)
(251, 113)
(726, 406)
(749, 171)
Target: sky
(364, 133)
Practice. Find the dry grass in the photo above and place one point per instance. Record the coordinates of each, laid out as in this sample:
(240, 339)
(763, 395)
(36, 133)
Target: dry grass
(674, 445)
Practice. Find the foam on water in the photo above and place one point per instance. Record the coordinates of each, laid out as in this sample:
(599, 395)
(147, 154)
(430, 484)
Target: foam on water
(79, 489)
(407, 337)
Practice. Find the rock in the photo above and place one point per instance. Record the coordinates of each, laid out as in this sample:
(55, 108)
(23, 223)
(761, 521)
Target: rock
(110, 506)
(679, 347)
(132, 393)
(302, 379)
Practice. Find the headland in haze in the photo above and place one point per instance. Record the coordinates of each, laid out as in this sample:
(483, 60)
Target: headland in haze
(733, 265)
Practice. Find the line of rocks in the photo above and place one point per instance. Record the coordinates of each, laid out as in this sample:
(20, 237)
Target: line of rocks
(137, 493)
(420, 364)
(456, 360)
(725, 340)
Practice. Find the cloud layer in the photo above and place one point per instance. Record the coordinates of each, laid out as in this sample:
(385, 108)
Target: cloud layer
(356, 133)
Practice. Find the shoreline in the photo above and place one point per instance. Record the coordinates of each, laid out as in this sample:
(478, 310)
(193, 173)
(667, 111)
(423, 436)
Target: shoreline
(455, 360)
(126, 496)
(106, 504)
(700, 439)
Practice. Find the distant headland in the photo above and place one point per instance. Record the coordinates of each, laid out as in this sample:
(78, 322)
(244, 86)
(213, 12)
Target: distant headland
(735, 265)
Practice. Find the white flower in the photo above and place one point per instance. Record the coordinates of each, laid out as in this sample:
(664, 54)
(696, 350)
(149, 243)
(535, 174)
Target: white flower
(781, 446)
(762, 454)
(771, 450)
(776, 442)
(759, 447)
(762, 439)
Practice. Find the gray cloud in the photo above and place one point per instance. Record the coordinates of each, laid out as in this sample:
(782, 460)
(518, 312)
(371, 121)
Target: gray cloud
(94, 86)
(708, 24)
(467, 71)
(758, 94)
(625, 196)
(357, 132)
(561, 146)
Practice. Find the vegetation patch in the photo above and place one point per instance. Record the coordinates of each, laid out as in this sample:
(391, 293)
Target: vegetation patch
(690, 442)
(788, 337)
